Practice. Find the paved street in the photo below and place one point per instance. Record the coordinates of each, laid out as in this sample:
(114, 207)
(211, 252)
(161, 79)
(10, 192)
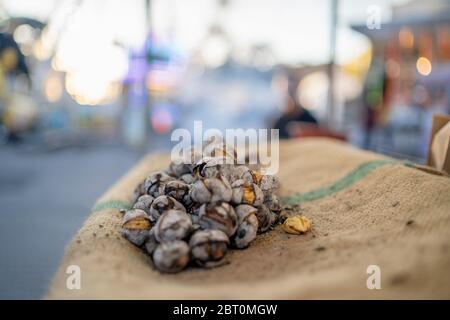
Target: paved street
(45, 196)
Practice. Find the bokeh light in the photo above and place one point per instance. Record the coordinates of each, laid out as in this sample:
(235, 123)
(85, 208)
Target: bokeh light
(392, 68)
(89, 89)
(162, 118)
(406, 38)
(423, 66)
(312, 90)
(215, 52)
(53, 87)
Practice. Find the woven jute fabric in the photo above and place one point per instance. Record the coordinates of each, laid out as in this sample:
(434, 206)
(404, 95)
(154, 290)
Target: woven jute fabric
(365, 210)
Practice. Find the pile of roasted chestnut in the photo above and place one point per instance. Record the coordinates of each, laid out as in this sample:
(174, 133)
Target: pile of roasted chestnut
(199, 207)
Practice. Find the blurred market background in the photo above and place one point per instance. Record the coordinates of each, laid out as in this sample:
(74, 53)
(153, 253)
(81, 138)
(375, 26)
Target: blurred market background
(87, 87)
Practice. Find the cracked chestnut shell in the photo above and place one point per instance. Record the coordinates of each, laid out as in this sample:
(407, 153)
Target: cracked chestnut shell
(209, 247)
(135, 226)
(177, 169)
(187, 178)
(246, 193)
(173, 225)
(216, 147)
(151, 243)
(220, 216)
(155, 183)
(178, 190)
(144, 202)
(211, 190)
(242, 172)
(171, 257)
(185, 162)
(212, 167)
(268, 183)
(265, 218)
(138, 191)
(247, 228)
(161, 204)
(273, 203)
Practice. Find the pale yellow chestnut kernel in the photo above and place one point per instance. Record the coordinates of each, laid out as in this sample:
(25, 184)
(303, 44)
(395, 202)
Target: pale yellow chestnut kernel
(296, 225)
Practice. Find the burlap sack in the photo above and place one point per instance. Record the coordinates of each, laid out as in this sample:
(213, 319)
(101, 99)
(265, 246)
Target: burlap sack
(439, 144)
(365, 209)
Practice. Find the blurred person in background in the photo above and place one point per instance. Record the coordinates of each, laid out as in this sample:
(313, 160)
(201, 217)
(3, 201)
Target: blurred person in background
(373, 96)
(17, 111)
(293, 117)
